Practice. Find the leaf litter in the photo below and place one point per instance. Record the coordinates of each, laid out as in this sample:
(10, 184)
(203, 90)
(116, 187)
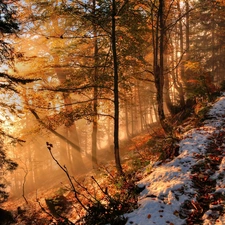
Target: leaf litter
(190, 188)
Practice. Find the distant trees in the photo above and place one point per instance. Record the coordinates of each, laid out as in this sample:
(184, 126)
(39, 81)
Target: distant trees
(205, 66)
(167, 42)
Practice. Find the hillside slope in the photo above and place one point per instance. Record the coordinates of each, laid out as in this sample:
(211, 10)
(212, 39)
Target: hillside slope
(190, 189)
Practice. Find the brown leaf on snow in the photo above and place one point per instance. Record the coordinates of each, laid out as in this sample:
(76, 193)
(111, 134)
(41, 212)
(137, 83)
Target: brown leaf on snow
(176, 213)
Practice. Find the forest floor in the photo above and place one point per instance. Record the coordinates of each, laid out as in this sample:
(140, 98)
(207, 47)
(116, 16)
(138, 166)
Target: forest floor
(135, 154)
(186, 187)
(190, 188)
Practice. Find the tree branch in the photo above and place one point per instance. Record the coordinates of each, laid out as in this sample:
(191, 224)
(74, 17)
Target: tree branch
(54, 132)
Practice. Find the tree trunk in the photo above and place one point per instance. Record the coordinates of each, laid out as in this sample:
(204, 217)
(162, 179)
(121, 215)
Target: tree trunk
(140, 107)
(95, 94)
(116, 92)
(168, 101)
(132, 115)
(159, 66)
(179, 84)
(187, 30)
(128, 135)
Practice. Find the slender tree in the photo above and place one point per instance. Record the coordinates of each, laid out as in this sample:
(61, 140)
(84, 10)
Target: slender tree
(95, 89)
(116, 90)
(158, 38)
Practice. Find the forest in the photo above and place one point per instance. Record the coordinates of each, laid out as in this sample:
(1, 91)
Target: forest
(93, 91)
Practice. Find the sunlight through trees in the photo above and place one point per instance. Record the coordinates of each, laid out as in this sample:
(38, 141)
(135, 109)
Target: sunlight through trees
(88, 76)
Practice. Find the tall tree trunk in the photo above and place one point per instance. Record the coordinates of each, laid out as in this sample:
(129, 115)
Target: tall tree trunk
(127, 118)
(95, 95)
(140, 106)
(187, 29)
(213, 42)
(136, 119)
(159, 66)
(132, 115)
(116, 92)
(179, 84)
(168, 101)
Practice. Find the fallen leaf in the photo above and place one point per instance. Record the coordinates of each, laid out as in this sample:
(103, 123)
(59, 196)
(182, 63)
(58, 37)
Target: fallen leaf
(149, 216)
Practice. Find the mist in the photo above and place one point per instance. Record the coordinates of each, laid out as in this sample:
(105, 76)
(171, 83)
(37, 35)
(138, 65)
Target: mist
(37, 169)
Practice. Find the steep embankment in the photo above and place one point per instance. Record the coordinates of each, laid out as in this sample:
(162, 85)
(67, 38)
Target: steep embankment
(190, 189)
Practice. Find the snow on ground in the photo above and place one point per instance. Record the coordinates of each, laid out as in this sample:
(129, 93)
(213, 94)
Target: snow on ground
(169, 187)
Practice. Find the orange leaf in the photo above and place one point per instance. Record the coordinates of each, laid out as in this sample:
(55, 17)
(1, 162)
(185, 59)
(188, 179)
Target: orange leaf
(149, 216)
(193, 81)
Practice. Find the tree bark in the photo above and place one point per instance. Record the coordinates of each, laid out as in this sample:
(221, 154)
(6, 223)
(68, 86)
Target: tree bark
(95, 94)
(179, 84)
(140, 107)
(159, 64)
(116, 92)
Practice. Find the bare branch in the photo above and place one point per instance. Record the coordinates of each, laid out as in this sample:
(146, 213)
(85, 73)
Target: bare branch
(64, 169)
(54, 132)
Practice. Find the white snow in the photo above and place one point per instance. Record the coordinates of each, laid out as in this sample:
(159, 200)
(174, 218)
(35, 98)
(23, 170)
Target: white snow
(170, 184)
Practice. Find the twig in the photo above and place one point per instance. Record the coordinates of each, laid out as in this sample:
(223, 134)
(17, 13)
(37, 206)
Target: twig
(60, 216)
(104, 192)
(84, 188)
(64, 169)
(42, 208)
(24, 181)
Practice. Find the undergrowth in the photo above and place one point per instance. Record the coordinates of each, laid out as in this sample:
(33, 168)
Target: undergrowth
(94, 201)
(111, 206)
